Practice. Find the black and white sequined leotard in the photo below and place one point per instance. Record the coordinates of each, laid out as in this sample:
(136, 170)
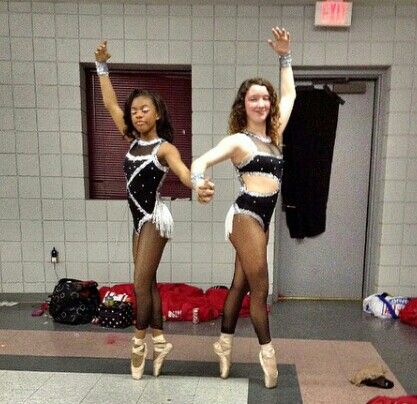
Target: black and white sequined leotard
(265, 160)
(144, 177)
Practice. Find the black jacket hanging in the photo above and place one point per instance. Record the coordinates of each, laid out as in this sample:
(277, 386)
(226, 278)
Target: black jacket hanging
(308, 151)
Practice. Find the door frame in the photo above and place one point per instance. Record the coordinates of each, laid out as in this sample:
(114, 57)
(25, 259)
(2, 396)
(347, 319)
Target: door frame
(375, 193)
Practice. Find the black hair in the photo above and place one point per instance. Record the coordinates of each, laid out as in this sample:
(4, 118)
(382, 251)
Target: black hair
(164, 127)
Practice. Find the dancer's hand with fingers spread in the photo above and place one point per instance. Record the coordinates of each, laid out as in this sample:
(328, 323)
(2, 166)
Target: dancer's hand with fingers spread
(281, 42)
(102, 55)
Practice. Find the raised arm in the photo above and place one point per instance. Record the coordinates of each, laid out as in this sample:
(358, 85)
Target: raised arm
(109, 96)
(281, 45)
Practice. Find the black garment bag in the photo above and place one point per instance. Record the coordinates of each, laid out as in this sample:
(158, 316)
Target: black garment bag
(308, 152)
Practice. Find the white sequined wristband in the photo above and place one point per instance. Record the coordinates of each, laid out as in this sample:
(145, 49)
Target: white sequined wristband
(285, 60)
(102, 69)
(196, 178)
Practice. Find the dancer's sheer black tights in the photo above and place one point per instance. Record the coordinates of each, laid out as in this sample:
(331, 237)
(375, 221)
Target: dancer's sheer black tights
(251, 274)
(148, 247)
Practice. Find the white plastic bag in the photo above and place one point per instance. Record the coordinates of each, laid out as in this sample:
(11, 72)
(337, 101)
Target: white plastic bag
(383, 305)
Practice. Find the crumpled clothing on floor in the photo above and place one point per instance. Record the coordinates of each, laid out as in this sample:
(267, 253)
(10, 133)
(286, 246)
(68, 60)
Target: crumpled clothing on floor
(371, 371)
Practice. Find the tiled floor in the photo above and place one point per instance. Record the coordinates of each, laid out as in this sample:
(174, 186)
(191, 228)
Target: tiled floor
(70, 388)
(320, 345)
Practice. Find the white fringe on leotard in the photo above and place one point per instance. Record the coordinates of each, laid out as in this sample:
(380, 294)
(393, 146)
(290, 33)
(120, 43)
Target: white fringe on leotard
(163, 219)
(228, 223)
(234, 209)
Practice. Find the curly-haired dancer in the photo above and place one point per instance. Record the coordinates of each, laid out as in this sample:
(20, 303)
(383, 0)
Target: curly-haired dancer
(256, 124)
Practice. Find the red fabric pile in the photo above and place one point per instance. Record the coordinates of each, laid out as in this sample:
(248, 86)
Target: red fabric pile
(179, 300)
(393, 400)
(408, 314)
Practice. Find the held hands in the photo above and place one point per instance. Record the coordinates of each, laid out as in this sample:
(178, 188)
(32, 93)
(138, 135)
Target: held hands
(281, 42)
(205, 191)
(101, 54)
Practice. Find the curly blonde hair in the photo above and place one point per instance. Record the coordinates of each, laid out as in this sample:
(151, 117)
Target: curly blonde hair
(238, 117)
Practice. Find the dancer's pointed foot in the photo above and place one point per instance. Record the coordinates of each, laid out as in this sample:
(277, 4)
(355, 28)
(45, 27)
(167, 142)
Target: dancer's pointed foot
(269, 366)
(138, 357)
(223, 349)
(160, 351)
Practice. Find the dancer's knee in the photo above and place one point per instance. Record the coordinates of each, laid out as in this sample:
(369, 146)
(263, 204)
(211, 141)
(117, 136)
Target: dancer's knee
(142, 290)
(259, 293)
(238, 288)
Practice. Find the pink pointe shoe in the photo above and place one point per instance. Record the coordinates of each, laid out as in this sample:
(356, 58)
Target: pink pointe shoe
(160, 351)
(269, 366)
(137, 363)
(224, 351)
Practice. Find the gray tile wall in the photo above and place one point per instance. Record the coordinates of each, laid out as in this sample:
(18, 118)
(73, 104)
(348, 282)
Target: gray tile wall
(42, 192)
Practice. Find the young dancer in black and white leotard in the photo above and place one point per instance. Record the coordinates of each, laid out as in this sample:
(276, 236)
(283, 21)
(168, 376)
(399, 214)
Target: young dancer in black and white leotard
(265, 160)
(145, 124)
(144, 177)
(256, 123)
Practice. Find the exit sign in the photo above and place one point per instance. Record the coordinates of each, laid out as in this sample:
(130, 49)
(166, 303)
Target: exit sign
(333, 14)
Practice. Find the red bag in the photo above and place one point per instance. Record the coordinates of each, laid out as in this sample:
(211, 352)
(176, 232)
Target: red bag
(179, 300)
(206, 311)
(180, 289)
(408, 314)
(217, 296)
(174, 296)
(123, 288)
(393, 400)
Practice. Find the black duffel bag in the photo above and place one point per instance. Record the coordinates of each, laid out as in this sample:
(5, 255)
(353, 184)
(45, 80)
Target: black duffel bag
(74, 301)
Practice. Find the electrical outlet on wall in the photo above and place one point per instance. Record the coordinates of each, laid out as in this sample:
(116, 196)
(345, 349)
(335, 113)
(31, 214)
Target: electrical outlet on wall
(54, 255)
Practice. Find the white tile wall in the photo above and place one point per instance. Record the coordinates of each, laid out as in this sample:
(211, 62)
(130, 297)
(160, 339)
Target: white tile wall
(11, 251)
(29, 187)
(6, 94)
(77, 270)
(99, 272)
(51, 187)
(30, 209)
(43, 25)
(45, 73)
(71, 143)
(50, 165)
(4, 48)
(180, 52)
(76, 252)
(42, 192)
(9, 209)
(44, 49)
(28, 164)
(26, 142)
(24, 119)
(10, 230)
(52, 209)
(66, 25)
(116, 231)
